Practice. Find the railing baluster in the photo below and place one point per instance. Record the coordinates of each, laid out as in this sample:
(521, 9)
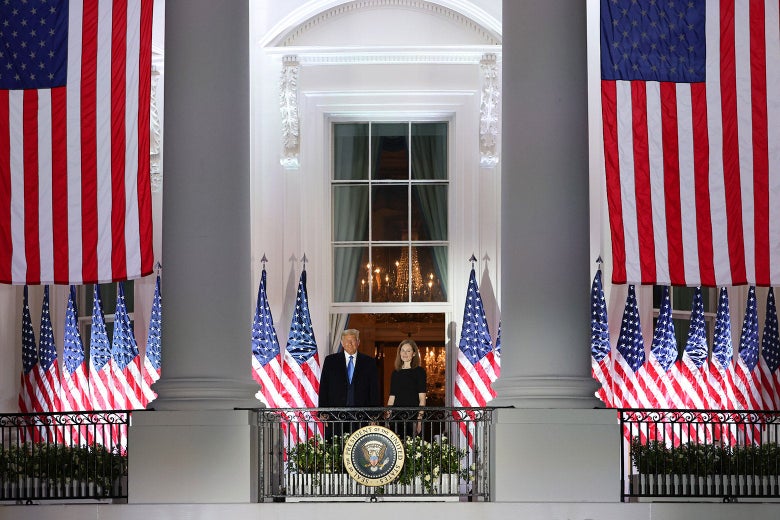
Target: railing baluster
(52, 455)
(700, 453)
(440, 461)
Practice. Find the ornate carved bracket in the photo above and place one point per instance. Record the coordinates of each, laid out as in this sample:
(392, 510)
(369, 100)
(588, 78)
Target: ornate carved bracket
(155, 137)
(489, 111)
(288, 104)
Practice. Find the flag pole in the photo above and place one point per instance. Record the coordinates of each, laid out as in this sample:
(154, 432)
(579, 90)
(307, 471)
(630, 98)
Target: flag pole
(277, 384)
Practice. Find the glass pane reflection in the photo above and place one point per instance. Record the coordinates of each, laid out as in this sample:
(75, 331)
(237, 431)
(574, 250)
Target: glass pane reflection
(429, 212)
(389, 213)
(429, 151)
(386, 276)
(429, 274)
(350, 213)
(350, 154)
(390, 148)
(347, 262)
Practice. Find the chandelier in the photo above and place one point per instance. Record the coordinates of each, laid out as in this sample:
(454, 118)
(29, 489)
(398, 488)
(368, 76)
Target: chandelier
(390, 279)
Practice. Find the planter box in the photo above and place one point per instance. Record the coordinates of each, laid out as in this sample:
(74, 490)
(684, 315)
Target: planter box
(340, 486)
(710, 486)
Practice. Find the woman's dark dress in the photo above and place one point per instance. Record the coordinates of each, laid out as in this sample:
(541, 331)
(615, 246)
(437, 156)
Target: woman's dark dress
(406, 385)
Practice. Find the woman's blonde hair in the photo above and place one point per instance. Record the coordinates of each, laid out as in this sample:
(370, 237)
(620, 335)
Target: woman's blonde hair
(415, 358)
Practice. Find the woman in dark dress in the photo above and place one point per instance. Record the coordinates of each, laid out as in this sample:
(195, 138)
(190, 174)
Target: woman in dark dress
(407, 388)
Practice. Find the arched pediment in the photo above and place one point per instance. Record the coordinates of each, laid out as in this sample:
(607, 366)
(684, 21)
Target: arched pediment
(380, 23)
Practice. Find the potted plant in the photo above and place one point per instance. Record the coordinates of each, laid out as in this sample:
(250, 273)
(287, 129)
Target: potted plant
(437, 465)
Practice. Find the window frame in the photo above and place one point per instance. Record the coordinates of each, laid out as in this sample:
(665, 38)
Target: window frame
(371, 183)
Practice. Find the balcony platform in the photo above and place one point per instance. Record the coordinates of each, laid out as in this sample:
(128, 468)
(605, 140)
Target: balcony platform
(396, 510)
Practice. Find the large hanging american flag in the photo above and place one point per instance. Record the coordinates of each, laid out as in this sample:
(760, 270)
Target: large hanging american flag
(600, 350)
(473, 383)
(125, 359)
(152, 365)
(770, 357)
(266, 354)
(689, 113)
(75, 199)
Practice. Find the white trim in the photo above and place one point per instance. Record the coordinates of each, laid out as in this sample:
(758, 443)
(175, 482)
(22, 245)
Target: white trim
(400, 55)
(315, 12)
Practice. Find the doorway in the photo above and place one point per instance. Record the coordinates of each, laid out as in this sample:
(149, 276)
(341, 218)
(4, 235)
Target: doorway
(380, 334)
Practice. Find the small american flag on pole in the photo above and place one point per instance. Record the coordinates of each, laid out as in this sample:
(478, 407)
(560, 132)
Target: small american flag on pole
(301, 366)
(125, 359)
(473, 384)
(153, 352)
(600, 350)
(47, 394)
(746, 378)
(75, 196)
(100, 384)
(99, 357)
(629, 358)
(29, 361)
(663, 353)
(629, 386)
(687, 372)
(656, 370)
(770, 356)
(266, 355)
(720, 371)
(75, 383)
(746, 386)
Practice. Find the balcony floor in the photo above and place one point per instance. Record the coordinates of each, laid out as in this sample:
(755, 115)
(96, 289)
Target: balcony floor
(395, 510)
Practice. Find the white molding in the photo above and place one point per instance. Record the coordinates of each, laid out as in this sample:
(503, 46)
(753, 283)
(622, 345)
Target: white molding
(312, 14)
(445, 55)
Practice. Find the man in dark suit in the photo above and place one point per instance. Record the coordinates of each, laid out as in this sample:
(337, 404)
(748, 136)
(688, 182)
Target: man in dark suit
(348, 379)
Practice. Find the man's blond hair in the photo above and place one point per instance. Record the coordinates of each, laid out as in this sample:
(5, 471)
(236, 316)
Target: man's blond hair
(351, 332)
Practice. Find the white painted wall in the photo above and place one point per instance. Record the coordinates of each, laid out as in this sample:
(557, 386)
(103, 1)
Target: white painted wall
(291, 208)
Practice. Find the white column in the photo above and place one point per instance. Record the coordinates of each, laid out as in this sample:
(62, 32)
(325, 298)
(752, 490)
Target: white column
(195, 447)
(207, 282)
(545, 324)
(10, 347)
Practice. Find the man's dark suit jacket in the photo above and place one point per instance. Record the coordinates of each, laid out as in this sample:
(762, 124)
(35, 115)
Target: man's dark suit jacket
(334, 383)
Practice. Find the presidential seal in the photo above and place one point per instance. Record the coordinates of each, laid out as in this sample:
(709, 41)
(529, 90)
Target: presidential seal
(373, 456)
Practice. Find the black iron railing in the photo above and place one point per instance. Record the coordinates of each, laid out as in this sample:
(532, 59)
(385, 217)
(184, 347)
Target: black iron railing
(63, 456)
(301, 453)
(728, 454)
